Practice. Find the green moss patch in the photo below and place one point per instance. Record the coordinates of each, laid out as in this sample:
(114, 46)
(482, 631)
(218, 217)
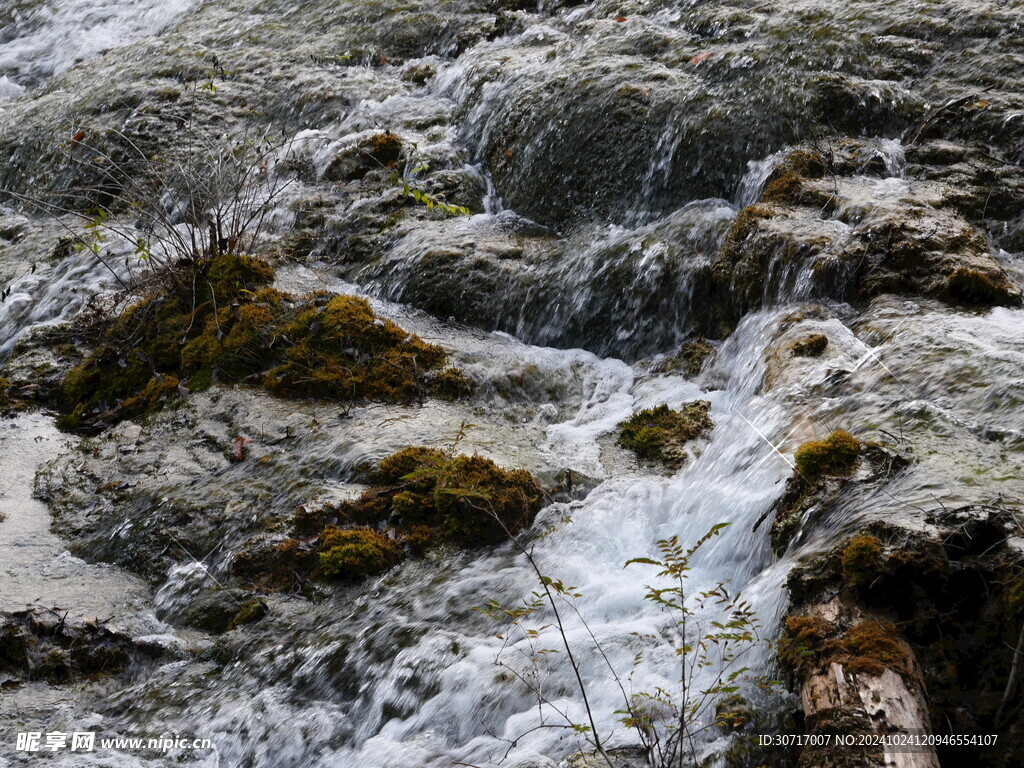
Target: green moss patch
(251, 611)
(356, 553)
(861, 558)
(467, 500)
(419, 498)
(660, 433)
(837, 454)
(219, 321)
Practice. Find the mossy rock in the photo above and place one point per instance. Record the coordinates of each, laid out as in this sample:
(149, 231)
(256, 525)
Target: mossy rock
(356, 553)
(419, 498)
(451, 384)
(378, 151)
(861, 558)
(251, 611)
(467, 500)
(218, 321)
(660, 433)
(799, 496)
(11, 400)
(812, 643)
(274, 565)
(973, 287)
(870, 648)
(38, 645)
(837, 454)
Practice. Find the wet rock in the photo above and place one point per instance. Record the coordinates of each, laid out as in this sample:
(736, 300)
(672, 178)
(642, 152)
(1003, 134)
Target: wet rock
(623, 757)
(12, 226)
(810, 346)
(212, 610)
(39, 644)
(847, 237)
(822, 478)
(370, 153)
(217, 320)
(626, 293)
(688, 360)
(250, 612)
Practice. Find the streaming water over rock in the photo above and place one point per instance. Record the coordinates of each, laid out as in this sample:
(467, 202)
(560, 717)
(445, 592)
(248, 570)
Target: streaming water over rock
(745, 180)
(45, 38)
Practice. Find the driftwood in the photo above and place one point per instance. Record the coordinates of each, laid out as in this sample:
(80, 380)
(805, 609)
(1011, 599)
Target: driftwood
(836, 700)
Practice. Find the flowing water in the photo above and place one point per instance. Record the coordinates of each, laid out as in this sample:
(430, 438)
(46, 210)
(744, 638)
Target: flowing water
(401, 671)
(38, 40)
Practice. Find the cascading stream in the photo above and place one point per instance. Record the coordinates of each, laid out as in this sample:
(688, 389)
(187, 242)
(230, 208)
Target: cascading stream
(38, 40)
(607, 259)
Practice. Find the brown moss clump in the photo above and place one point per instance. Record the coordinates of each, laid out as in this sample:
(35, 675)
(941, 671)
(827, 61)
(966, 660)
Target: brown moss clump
(385, 148)
(803, 641)
(870, 648)
(219, 321)
(837, 454)
(356, 553)
(338, 348)
(747, 223)
(419, 498)
(810, 165)
(811, 643)
(784, 188)
(660, 433)
(810, 346)
(861, 558)
(969, 286)
(785, 183)
(270, 565)
(467, 500)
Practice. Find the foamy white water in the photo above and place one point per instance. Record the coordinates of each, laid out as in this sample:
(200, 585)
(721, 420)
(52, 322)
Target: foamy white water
(52, 36)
